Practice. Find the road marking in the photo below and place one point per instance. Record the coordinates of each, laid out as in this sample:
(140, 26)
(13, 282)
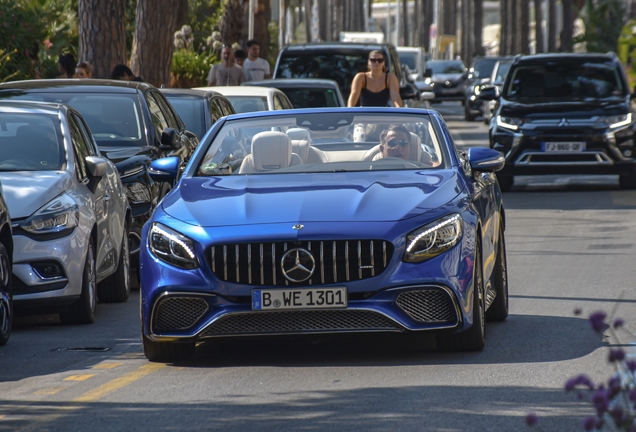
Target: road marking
(79, 377)
(50, 390)
(118, 383)
(106, 365)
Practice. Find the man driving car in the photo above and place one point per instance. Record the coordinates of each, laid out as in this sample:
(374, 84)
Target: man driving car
(396, 142)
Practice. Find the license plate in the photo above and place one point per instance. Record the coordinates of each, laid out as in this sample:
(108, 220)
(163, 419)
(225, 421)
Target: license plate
(575, 146)
(307, 298)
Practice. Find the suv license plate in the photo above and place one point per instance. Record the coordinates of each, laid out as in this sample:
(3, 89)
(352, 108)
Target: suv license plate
(308, 298)
(576, 146)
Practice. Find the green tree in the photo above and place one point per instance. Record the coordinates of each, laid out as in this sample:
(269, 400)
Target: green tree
(604, 20)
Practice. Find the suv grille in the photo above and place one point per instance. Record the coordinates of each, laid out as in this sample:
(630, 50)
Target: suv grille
(335, 261)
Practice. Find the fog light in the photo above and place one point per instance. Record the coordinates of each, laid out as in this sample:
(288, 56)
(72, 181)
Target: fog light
(627, 153)
(48, 270)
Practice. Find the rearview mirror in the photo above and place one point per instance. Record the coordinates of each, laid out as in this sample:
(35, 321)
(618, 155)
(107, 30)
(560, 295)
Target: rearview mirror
(96, 166)
(485, 159)
(169, 139)
(164, 169)
(489, 92)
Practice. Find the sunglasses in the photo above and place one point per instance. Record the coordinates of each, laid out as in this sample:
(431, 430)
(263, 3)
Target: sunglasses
(394, 143)
(376, 60)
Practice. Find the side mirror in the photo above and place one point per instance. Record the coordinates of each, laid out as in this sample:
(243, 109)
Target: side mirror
(164, 169)
(96, 166)
(489, 92)
(169, 139)
(485, 159)
(427, 95)
(409, 91)
(428, 72)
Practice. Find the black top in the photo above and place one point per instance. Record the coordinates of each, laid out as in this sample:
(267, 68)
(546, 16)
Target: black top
(380, 99)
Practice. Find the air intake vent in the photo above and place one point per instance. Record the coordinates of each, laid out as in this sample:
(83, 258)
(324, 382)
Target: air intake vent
(178, 313)
(428, 306)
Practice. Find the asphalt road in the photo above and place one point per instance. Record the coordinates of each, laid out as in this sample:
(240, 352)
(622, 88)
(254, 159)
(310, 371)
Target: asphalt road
(570, 245)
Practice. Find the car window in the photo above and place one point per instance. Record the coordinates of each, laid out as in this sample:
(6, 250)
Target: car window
(31, 142)
(243, 104)
(409, 59)
(565, 81)
(277, 104)
(80, 148)
(322, 143)
(226, 107)
(482, 68)
(446, 66)
(92, 150)
(500, 73)
(171, 117)
(286, 103)
(192, 112)
(311, 98)
(158, 117)
(217, 110)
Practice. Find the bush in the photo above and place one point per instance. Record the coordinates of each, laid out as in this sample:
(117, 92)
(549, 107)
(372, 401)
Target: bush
(20, 37)
(190, 69)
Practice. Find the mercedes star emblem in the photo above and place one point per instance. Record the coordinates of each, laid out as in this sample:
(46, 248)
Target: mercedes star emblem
(297, 265)
(298, 227)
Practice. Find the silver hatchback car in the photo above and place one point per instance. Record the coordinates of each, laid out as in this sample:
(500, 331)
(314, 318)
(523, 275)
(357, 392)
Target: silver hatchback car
(70, 215)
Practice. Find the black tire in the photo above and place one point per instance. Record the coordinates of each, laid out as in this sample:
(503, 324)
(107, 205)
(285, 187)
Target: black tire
(6, 296)
(473, 339)
(167, 352)
(116, 287)
(627, 181)
(498, 310)
(468, 116)
(505, 182)
(83, 310)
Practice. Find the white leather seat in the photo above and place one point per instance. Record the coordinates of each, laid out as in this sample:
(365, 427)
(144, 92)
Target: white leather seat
(301, 142)
(416, 151)
(270, 151)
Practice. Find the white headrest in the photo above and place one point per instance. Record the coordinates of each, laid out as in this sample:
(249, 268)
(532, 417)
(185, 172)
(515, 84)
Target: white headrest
(271, 150)
(301, 148)
(416, 147)
(299, 134)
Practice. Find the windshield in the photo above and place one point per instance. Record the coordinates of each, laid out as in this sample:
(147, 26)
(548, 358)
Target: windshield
(446, 66)
(312, 98)
(31, 142)
(192, 112)
(243, 104)
(114, 119)
(483, 68)
(501, 72)
(409, 59)
(323, 142)
(564, 82)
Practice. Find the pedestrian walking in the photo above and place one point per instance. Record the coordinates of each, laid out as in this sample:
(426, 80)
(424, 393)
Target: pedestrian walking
(83, 70)
(377, 87)
(226, 73)
(256, 68)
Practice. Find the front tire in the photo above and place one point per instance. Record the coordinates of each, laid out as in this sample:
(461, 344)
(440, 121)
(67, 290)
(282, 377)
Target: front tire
(83, 310)
(468, 115)
(473, 339)
(116, 287)
(167, 352)
(498, 310)
(6, 296)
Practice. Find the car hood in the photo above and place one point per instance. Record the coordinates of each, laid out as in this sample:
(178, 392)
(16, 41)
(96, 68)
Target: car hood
(26, 191)
(440, 78)
(555, 109)
(334, 197)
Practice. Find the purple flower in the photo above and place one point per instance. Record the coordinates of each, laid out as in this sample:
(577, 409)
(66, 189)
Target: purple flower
(597, 321)
(631, 365)
(600, 401)
(632, 395)
(589, 423)
(616, 354)
(618, 322)
(531, 419)
(578, 311)
(578, 380)
(618, 414)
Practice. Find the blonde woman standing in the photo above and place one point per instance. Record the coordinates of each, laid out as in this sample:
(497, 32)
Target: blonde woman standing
(377, 86)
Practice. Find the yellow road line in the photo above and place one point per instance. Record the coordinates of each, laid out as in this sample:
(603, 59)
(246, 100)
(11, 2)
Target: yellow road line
(79, 377)
(117, 383)
(106, 365)
(50, 390)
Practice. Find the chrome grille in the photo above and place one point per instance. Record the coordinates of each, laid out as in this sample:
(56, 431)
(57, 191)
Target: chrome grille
(428, 305)
(178, 313)
(290, 322)
(336, 261)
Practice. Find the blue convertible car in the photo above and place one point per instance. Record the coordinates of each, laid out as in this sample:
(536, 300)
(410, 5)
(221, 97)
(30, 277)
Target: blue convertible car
(334, 220)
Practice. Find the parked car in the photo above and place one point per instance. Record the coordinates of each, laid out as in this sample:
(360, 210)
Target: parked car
(306, 93)
(6, 264)
(497, 78)
(564, 114)
(413, 60)
(250, 99)
(198, 109)
(132, 123)
(448, 79)
(478, 74)
(69, 211)
(352, 240)
(338, 61)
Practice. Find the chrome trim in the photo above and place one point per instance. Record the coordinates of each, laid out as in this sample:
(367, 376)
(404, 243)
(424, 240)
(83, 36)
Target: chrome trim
(322, 264)
(373, 259)
(213, 259)
(225, 262)
(27, 274)
(167, 336)
(274, 262)
(314, 269)
(360, 259)
(262, 268)
(249, 263)
(347, 259)
(236, 250)
(448, 291)
(525, 159)
(335, 266)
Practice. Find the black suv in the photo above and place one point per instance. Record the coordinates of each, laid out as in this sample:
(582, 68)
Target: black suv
(339, 61)
(133, 124)
(564, 114)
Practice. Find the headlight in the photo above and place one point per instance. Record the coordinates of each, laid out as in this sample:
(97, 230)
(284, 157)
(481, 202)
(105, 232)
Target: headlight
(172, 247)
(617, 121)
(428, 81)
(58, 216)
(137, 193)
(511, 123)
(433, 239)
(477, 90)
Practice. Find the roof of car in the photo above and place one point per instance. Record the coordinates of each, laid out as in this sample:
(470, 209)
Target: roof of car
(294, 83)
(567, 57)
(241, 90)
(409, 49)
(79, 85)
(189, 92)
(334, 46)
(22, 105)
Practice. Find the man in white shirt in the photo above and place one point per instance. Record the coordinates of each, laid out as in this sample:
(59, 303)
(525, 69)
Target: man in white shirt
(256, 68)
(226, 73)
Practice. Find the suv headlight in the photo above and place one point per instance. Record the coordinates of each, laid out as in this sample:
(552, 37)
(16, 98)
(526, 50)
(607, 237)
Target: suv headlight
(433, 239)
(172, 247)
(511, 123)
(57, 217)
(617, 121)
